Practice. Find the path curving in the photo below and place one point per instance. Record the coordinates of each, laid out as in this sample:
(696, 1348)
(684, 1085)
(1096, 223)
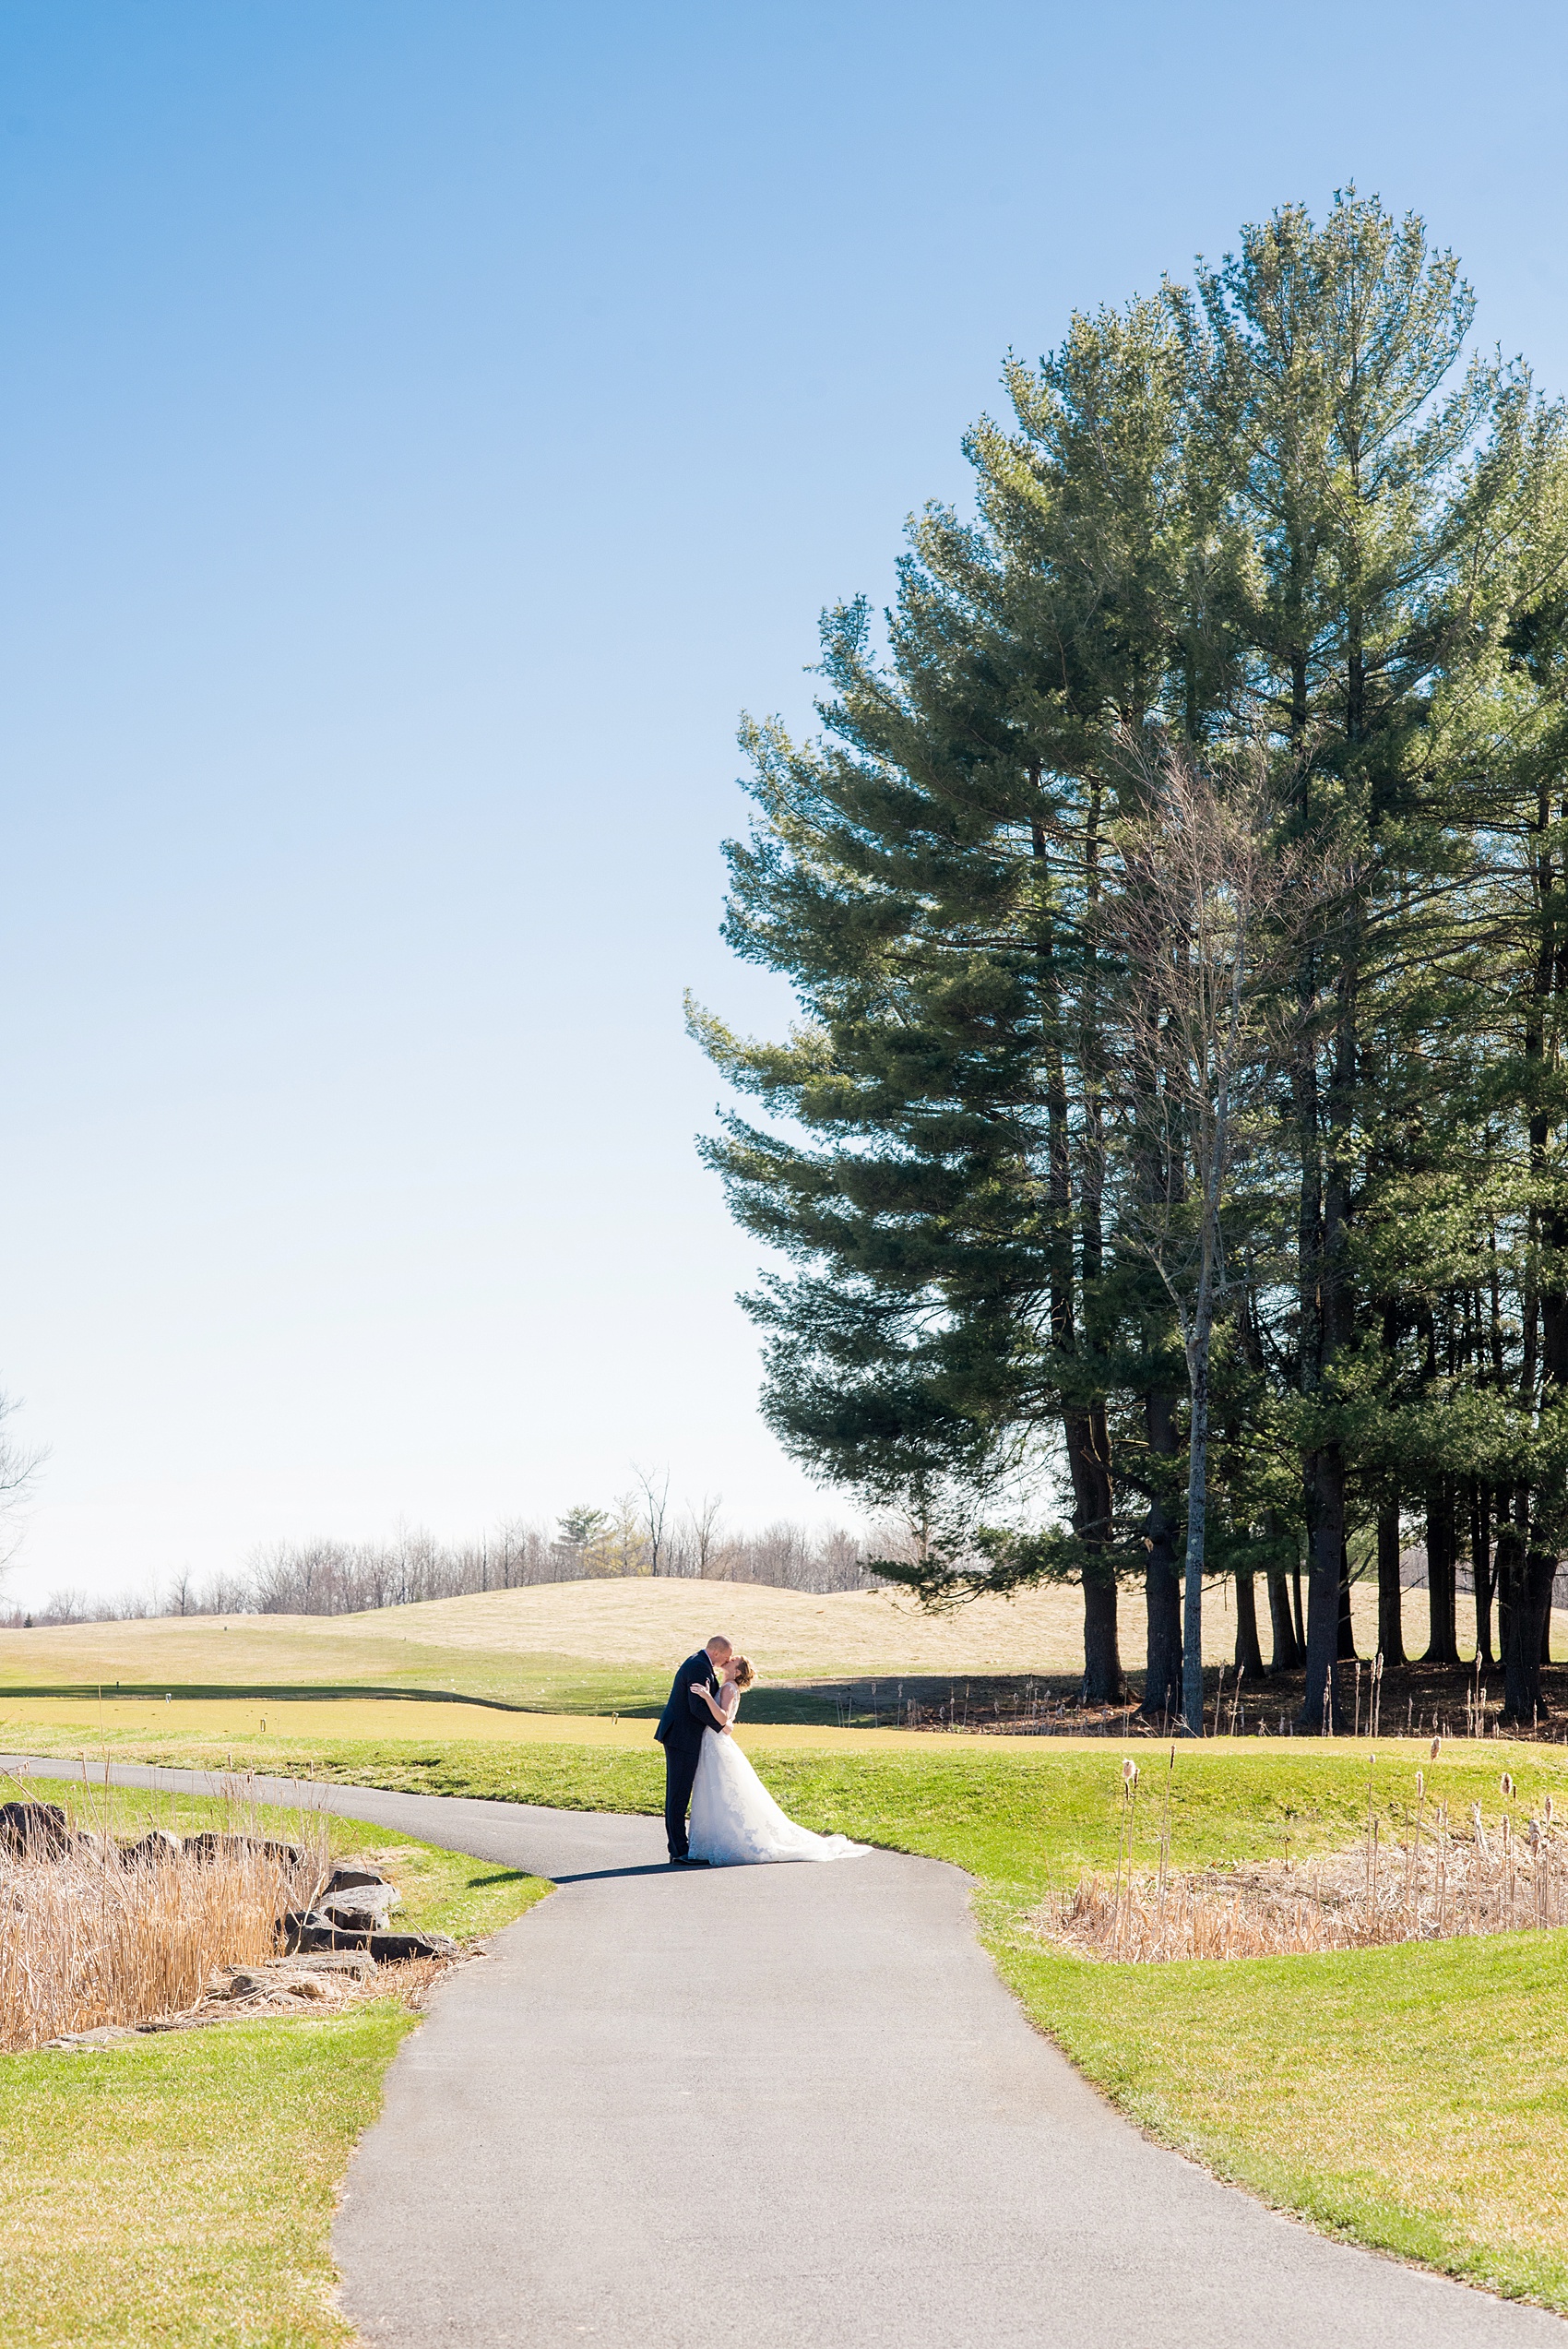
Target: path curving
(793, 2107)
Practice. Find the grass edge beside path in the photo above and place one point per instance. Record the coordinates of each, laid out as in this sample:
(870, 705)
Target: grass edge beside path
(1274, 2073)
(182, 2187)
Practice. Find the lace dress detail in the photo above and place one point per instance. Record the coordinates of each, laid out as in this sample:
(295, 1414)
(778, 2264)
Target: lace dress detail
(736, 1822)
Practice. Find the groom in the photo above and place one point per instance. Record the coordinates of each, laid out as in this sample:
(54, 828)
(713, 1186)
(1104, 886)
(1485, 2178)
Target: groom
(679, 1731)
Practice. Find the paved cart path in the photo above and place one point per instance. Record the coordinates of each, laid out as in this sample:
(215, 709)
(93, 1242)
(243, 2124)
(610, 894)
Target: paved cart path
(792, 2108)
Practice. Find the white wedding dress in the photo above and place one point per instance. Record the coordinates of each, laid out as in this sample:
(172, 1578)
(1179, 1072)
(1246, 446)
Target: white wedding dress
(736, 1822)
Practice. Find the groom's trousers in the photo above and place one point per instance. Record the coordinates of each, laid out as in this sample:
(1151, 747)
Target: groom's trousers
(680, 1771)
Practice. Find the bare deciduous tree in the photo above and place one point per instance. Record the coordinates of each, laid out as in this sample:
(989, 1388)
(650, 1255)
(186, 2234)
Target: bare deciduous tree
(1209, 901)
(19, 1464)
(704, 1532)
(654, 1487)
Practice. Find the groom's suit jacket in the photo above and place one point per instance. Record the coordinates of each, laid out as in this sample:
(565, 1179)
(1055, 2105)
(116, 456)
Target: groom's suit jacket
(686, 1717)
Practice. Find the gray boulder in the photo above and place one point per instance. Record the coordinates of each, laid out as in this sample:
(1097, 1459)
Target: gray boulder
(317, 1929)
(367, 1906)
(211, 1847)
(156, 1848)
(350, 1876)
(355, 1961)
(37, 1830)
(392, 1948)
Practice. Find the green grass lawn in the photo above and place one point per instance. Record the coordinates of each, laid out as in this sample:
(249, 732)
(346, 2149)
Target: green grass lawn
(179, 2189)
(1413, 2098)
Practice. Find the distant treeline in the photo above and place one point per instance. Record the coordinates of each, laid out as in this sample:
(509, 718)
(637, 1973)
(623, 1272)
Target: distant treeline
(351, 1578)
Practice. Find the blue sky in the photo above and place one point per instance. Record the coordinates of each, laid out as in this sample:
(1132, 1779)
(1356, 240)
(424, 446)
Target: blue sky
(426, 428)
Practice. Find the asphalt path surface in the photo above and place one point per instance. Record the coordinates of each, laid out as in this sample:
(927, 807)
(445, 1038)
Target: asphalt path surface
(794, 2105)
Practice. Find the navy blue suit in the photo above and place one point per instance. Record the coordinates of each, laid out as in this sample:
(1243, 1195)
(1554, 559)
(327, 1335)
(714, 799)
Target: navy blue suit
(680, 1732)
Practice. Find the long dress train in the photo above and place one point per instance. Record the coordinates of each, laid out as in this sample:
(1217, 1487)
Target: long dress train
(735, 1820)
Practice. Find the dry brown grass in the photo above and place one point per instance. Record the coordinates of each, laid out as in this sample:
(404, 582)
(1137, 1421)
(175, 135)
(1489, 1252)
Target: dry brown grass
(1436, 1881)
(87, 1939)
(789, 1634)
(796, 1634)
(251, 1993)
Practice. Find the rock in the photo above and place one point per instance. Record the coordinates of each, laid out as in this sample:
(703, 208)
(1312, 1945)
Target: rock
(306, 1929)
(155, 1849)
(352, 1875)
(358, 1962)
(213, 1847)
(41, 1831)
(315, 1929)
(277, 1980)
(392, 1948)
(356, 1920)
(363, 1905)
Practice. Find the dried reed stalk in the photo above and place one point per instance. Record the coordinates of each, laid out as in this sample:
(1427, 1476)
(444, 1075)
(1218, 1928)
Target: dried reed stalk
(86, 1939)
(1443, 1884)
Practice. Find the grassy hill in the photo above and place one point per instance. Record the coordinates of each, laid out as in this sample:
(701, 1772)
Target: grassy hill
(596, 1647)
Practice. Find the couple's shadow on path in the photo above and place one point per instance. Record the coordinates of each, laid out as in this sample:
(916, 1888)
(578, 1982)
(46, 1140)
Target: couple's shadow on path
(650, 1867)
(647, 1868)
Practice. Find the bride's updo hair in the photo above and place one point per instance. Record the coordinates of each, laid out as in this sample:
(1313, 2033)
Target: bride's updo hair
(744, 1675)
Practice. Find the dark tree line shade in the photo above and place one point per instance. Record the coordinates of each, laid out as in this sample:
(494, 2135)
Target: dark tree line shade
(1170, 1158)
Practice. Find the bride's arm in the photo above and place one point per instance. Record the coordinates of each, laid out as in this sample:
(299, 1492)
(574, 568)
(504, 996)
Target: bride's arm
(728, 1703)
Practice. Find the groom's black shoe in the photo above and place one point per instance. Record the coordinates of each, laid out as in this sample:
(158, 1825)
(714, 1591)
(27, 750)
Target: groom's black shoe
(684, 1859)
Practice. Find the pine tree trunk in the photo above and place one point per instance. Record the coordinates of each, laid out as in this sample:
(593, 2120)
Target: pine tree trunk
(1089, 1463)
(1554, 1325)
(1480, 1569)
(1249, 1655)
(1162, 1588)
(1527, 1576)
(1104, 1682)
(1443, 1644)
(1390, 1593)
(1346, 1624)
(1322, 1705)
(1286, 1654)
(1330, 1329)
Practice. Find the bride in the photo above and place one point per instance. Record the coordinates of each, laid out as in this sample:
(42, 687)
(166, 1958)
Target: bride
(734, 1819)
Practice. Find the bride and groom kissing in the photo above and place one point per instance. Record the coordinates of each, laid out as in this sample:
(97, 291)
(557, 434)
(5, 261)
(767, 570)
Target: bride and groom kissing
(734, 1820)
